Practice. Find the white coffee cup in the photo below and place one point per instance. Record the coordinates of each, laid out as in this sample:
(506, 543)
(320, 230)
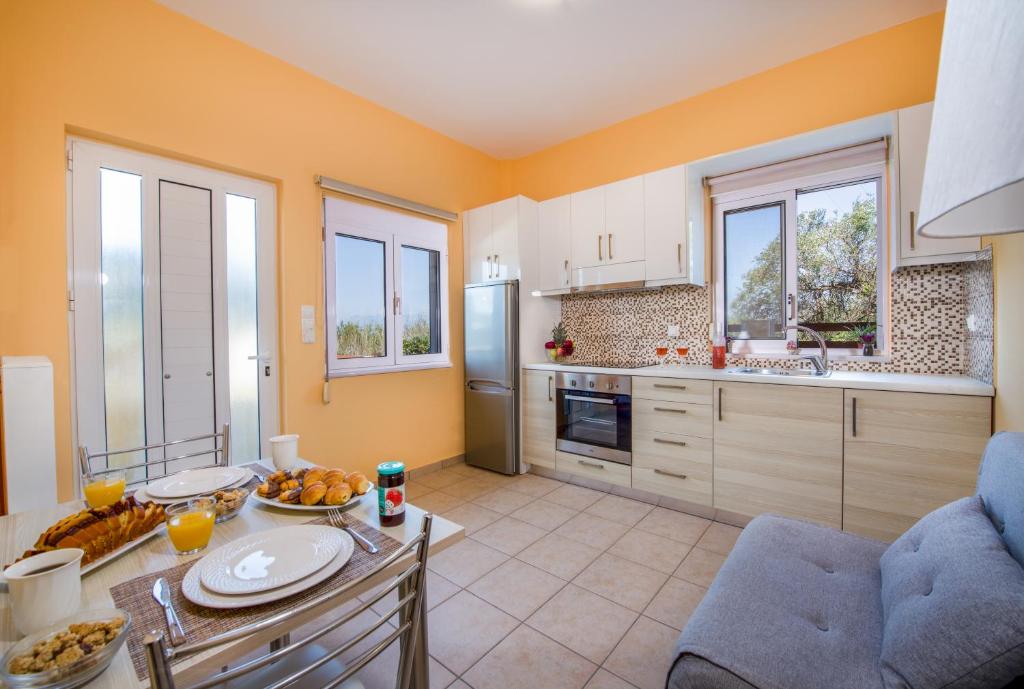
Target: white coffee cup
(45, 588)
(284, 450)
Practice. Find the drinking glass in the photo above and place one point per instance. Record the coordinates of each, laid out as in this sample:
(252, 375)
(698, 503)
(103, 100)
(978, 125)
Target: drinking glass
(682, 349)
(190, 524)
(661, 351)
(105, 490)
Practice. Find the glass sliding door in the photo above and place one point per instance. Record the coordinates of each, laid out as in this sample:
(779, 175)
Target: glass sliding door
(243, 320)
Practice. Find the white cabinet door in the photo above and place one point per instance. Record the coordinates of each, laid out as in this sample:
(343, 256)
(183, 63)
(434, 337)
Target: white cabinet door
(665, 224)
(624, 220)
(914, 127)
(555, 246)
(504, 228)
(478, 245)
(587, 221)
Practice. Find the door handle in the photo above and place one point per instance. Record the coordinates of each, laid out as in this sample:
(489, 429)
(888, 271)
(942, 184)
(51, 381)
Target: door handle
(674, 411)
(853, 427)
(610, 257)
(719, 404)
(497, 269)
(209, 374)
(913, 217)
(567, 271)
(595, 400)
(680, 443)
(669, 473)
(600, 256)
(679, 256)
(791, 300)
(167, 376)
(489, 269)
(593, 465)
(665, 386)
(550, 380)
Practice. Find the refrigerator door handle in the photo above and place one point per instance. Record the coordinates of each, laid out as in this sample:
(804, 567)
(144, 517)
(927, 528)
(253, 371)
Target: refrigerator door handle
(491, 388)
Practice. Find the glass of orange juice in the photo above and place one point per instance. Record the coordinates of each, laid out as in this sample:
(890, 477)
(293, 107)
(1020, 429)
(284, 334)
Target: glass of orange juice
(190, 524)
(105, 490)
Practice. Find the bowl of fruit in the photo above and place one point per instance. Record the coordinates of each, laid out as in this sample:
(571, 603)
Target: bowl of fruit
(559, 347)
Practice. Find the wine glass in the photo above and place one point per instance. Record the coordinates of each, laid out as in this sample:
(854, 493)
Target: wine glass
(682, 349)
(661, 351)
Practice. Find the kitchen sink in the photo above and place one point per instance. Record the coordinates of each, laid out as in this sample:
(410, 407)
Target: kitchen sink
(788, 372)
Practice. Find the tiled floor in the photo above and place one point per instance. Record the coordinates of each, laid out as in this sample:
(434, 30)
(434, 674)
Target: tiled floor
(587, 588)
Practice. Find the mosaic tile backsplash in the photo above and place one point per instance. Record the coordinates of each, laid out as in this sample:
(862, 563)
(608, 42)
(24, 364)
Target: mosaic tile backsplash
(941, 323)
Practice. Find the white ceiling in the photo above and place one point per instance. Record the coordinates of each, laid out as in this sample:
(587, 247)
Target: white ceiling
(511, 77)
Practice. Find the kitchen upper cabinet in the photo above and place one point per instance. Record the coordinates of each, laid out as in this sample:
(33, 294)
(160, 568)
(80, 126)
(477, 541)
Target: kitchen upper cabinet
(913, 127)
(504, 229)
(779, 448)
(539, 418)
(495, 235)
(555, 244)
(587, 228)
(666, 226)
(476, 225)
(624, 220)
(907, 454)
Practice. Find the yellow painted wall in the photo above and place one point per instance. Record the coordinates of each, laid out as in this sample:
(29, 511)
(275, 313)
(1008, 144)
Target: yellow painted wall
(1007, 259)
(135, 72)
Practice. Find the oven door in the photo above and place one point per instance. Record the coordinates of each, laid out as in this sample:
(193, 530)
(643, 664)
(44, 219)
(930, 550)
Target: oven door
(595, 424)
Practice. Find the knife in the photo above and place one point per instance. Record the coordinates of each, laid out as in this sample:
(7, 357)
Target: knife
(162, 593)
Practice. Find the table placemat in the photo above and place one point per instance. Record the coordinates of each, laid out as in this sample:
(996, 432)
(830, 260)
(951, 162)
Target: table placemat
(201, 623)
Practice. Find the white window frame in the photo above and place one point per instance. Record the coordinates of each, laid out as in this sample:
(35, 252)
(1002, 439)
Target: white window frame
(787, 191)
(395, 229)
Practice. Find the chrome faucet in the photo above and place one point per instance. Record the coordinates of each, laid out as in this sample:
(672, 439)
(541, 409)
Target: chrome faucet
(819, 361)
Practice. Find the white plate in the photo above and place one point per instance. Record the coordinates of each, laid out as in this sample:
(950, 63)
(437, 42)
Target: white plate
(193, 589)
(192, 482)
(269, 559)
(274, 502)
(143, 495)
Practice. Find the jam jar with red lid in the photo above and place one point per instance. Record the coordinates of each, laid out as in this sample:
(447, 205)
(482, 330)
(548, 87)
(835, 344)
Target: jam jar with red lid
(391, 493)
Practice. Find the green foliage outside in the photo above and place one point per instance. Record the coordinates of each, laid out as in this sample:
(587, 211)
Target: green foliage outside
(416, 338)
(837, 259)
(367, 339)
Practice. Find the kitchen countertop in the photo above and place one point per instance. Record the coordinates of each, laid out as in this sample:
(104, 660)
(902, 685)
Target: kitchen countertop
(898, 382)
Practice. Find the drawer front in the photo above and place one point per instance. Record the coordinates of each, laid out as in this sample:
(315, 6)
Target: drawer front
(677, 466)
(673, 389)
(682, 418)
(609, 472)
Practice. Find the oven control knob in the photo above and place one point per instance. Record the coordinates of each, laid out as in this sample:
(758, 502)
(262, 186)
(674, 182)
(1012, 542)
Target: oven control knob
(591, 383)
(573, 383)
(610, 386)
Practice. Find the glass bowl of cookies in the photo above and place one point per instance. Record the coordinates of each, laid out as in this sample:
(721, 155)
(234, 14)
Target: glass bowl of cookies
(229, 502)
(67, 654)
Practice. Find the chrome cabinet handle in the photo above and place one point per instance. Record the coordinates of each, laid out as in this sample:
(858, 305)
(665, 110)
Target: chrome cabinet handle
(853, 419)
(674, 411)
(489, 269)
(666, 386)
(719, 404)
(669, 473)
(600, 257)
(550, 380)
(567, 271)
(913, 218)
(593, 465)
(595, 400)
(610, 246)
(679, 256)
(497, 267)
(680, 443)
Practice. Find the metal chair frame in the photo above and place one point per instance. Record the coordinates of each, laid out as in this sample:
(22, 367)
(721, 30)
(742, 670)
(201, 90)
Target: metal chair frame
(411, 608)
(221, 456)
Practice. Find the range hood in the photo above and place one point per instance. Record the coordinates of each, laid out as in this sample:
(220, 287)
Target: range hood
(616, 277)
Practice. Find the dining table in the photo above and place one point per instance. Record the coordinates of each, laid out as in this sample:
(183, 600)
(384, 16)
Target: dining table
(19, 531)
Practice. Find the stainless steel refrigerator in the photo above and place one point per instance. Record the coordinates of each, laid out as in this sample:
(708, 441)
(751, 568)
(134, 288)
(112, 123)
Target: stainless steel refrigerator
(492, 375)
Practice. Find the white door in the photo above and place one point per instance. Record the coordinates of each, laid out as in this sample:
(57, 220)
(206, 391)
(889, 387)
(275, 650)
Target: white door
(555, 243)
(587, 219)
(479, 255)
(173, 305)
(504, 227)
(624, 220)
(665, 223)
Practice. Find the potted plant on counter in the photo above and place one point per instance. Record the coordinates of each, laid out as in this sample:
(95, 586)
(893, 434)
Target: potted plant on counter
(559, 347)
(865, 335)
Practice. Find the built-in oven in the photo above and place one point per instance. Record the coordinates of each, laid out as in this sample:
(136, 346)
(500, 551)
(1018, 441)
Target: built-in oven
(595, 416)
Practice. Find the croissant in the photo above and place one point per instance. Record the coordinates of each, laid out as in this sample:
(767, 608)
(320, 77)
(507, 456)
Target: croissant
(334, 476)
(360, 484)
(314, 474)
(313, 493)
(338, 494)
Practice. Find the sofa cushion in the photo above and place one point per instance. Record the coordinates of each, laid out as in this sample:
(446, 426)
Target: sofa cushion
(1001, 485)
(953, 603)
(794, 606)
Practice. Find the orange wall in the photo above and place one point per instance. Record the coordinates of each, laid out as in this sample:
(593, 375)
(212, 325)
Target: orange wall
(136, 72)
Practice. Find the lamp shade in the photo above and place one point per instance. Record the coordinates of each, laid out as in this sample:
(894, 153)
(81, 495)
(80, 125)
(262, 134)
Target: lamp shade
(974, 170)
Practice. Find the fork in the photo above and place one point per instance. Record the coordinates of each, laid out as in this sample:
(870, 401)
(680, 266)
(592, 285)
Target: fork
(337, 520)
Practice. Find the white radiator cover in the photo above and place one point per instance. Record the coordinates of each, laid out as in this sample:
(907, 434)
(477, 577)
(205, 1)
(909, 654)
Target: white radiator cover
(30, 454)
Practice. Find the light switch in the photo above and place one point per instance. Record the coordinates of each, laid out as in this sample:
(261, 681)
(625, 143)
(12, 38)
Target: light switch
(673, 331)
(308, 324)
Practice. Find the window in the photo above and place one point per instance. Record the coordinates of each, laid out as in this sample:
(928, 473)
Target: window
(806, 251)
(387, 306)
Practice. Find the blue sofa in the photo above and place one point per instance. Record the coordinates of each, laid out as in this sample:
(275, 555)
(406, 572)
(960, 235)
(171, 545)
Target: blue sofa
(801, 606)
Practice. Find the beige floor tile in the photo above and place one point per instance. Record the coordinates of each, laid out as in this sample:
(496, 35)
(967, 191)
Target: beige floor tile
(675, 602)
(440, 676)
(678, 526)
(558, 555)
(468, 488)
(463, 468)
(439, 479)
(471, 516)
(544, 514)
(574, 497)
(657, 552)
(619, 509)
(644, 655)
(415, 490)
(437, 502)
(593, 530)
(503, 500)
(517, 588)
(603, 679)
(527, 659)
(509, 535)
(439, 590)
(621, 581)
(720, 538)
(584, 622)
(534, 485)
(459, 684)
(465, 562)
(464, 628)
(700, 566)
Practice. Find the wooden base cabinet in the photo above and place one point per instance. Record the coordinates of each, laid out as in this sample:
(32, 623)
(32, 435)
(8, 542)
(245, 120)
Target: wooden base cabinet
(539, 420)
(907, 454)
(779, 448)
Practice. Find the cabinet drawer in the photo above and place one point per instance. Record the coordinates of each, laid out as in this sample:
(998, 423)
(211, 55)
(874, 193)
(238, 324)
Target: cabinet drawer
(609, 472)
(683, 418)
(677, 466)
(673, 389)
